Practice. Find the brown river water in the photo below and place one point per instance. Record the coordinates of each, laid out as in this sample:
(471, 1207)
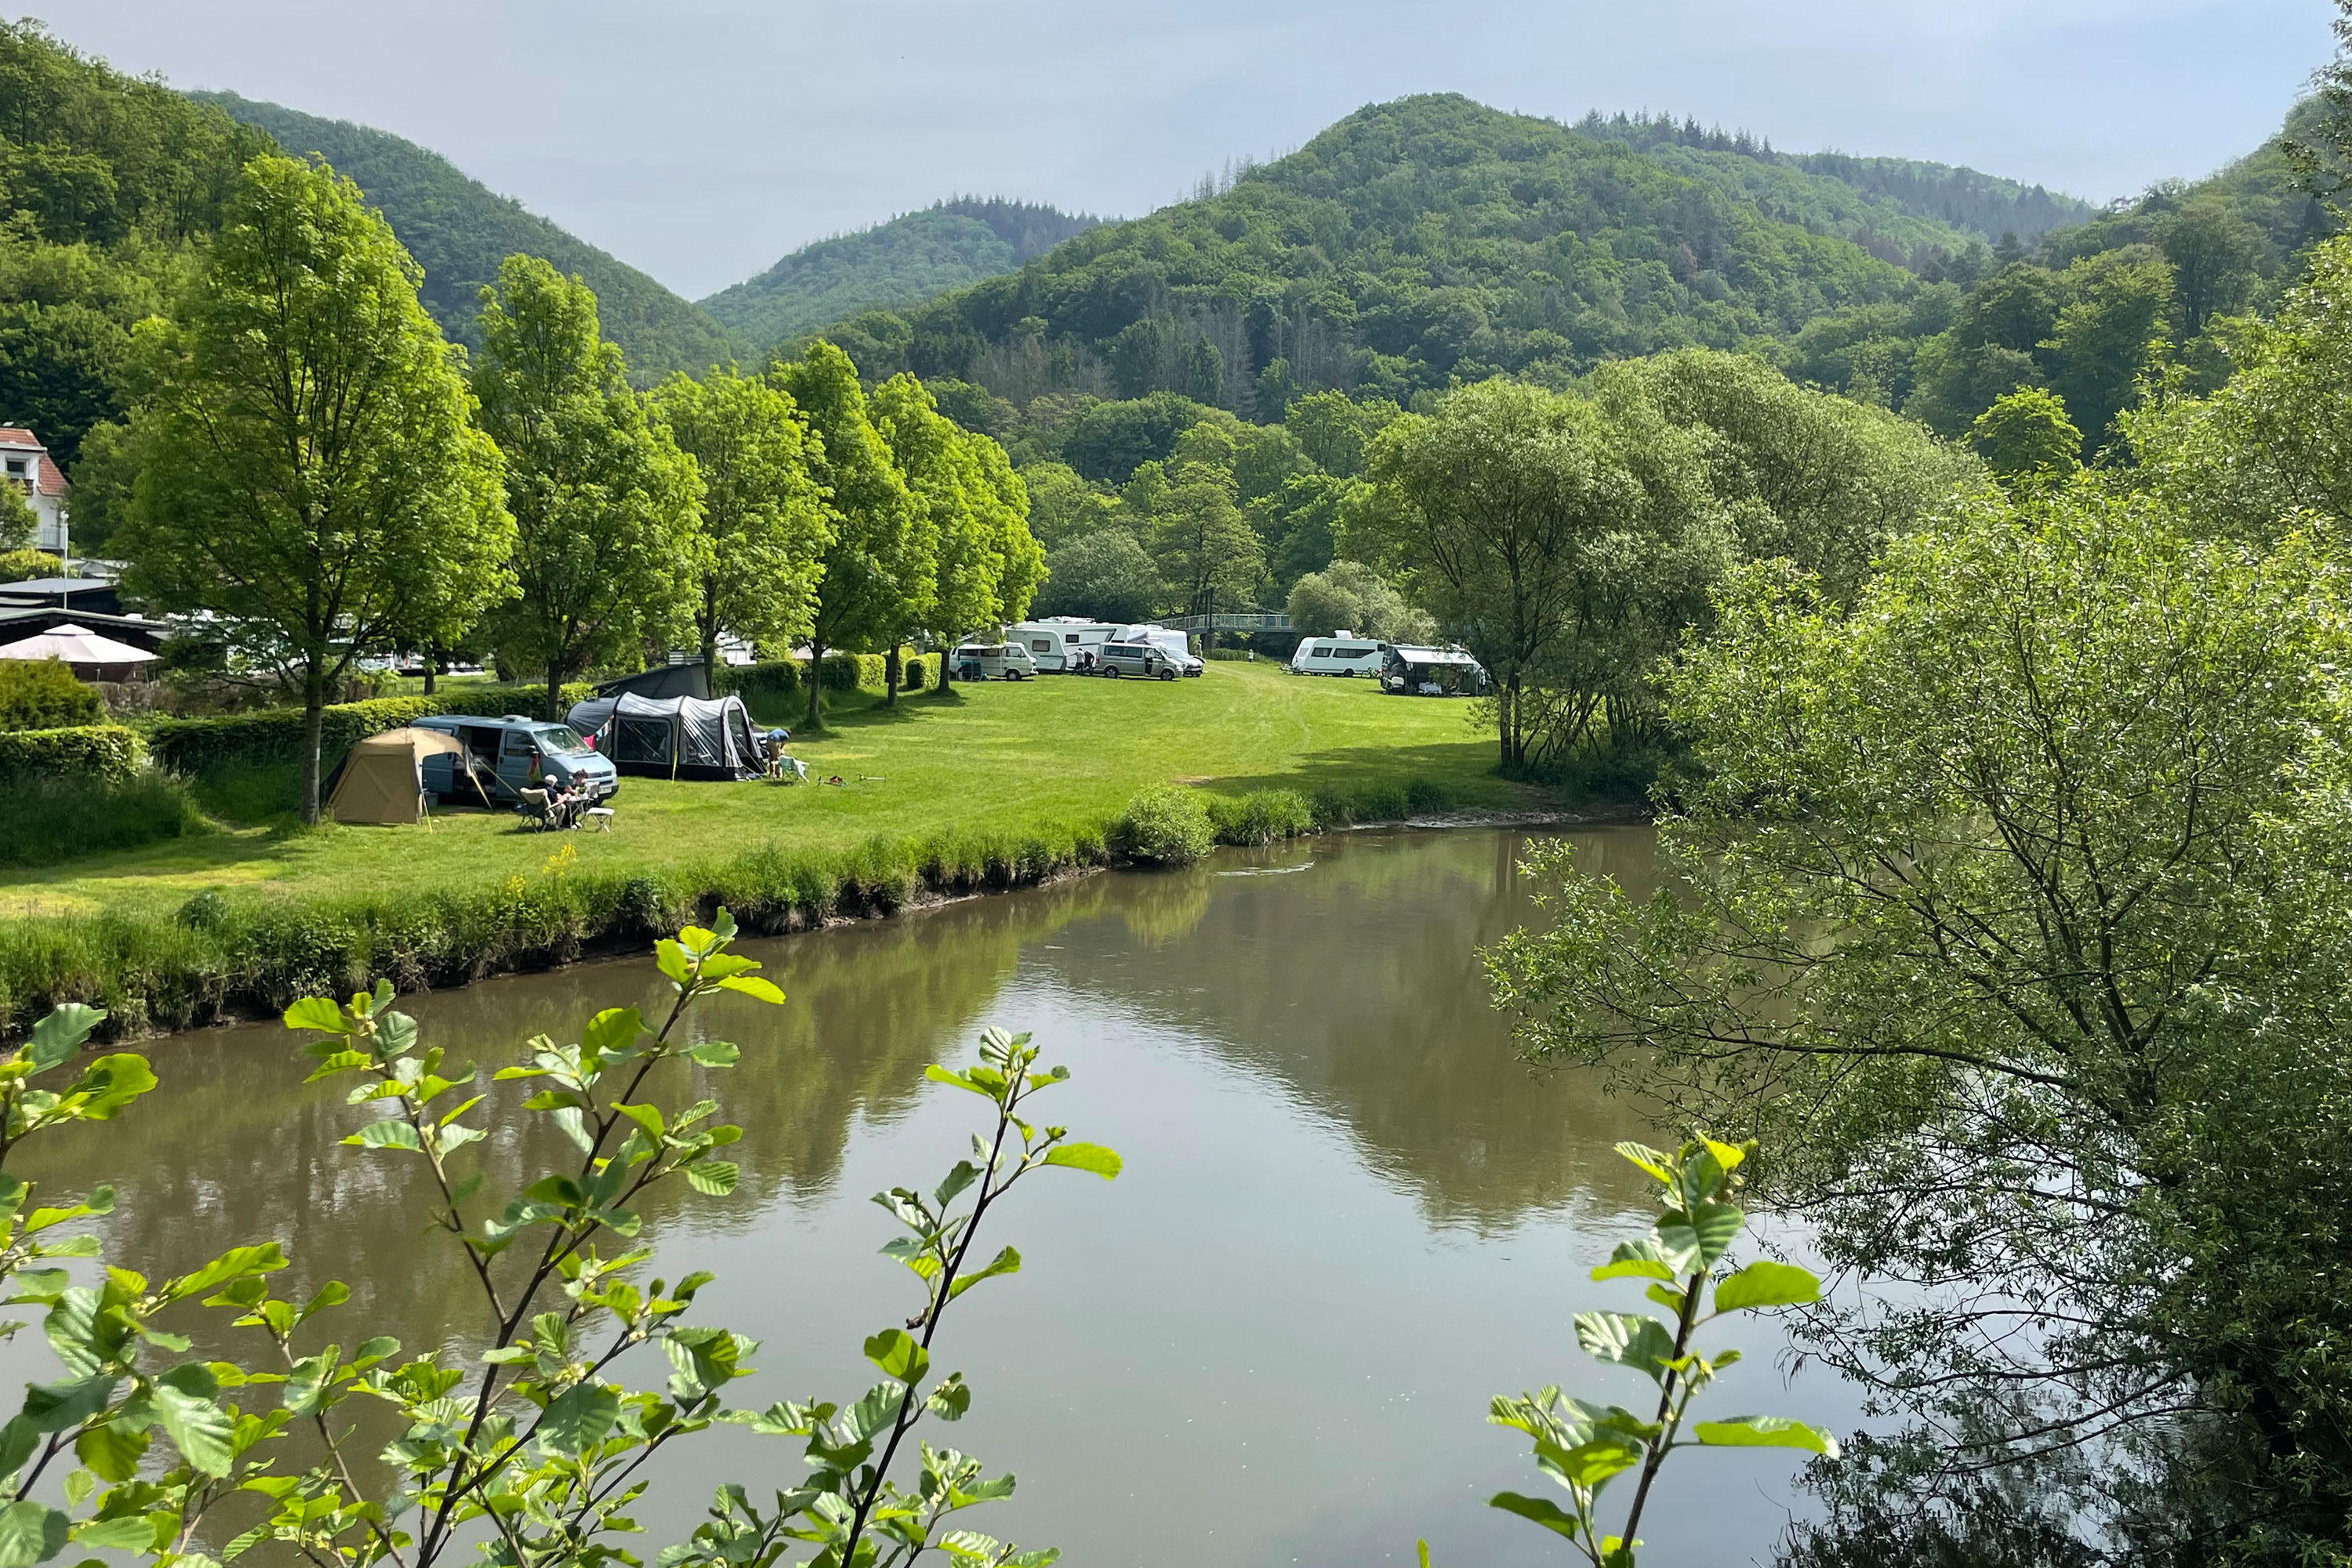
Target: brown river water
(1348, 1215)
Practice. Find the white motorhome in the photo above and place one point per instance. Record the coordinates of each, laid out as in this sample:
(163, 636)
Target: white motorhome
(1341, 653)
(1169, 641)
(1063, 644)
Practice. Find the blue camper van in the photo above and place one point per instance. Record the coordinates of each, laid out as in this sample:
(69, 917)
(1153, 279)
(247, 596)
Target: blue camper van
(518, 752)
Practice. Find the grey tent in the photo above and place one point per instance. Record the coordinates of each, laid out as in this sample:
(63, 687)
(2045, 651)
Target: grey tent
(685, 678)
(671, 737)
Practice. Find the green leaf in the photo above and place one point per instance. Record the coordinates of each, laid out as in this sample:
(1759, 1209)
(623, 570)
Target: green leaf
(1590, 1464)
(1642, 1260)
(938, 1074)
(672, 961)
(60, 1034)
(715, 1178)
(1542, 1511)
(751, 986)
(1765, 1431)
(1649, 1159)
(196, 1425)
(1709, 1230)
(1642, 1343)
(714, 1053)
(317, 1012)
(112, 1082)
(30, 1533)
(1094, 1157)
(237, 1263)
(387, 1134)
(613, 1030)
(1005, 1262)
(1767, 1285)
(897, 1354)
(133, 1532)
(578, 1418)
(18, 1438)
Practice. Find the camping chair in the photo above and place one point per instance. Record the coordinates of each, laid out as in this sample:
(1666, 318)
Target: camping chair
(533, 808)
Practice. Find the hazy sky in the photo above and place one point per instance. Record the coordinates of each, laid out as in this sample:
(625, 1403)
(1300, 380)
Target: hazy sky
(701, 138)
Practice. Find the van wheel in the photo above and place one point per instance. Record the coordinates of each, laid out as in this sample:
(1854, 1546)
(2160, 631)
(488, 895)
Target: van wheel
(1167, 674)
(1111, 670)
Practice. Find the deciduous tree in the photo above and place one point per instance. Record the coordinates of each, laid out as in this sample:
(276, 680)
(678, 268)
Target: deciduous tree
(764, 519)
(309, 470)
(606, 508)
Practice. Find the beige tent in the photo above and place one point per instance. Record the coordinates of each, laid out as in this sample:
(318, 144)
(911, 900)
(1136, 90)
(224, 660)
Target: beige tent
(384, 776)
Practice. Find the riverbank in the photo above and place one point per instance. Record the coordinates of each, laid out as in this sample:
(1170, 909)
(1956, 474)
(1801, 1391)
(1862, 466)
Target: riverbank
(986, 789)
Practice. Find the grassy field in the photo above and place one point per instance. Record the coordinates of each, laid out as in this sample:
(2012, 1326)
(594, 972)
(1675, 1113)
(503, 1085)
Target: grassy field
(1046, 753)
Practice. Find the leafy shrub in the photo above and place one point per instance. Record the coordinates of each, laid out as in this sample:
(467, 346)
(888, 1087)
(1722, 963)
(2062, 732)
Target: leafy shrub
(42, 694)
(88, 751)
(196, 746)
(1264, 816)
(775, 679)
(1167, 824)
(853, 672)
(526, 698)
(54, 819)
(24, 565)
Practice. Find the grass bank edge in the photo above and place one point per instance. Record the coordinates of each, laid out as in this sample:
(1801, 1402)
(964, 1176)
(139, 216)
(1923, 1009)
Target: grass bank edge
(220, 958)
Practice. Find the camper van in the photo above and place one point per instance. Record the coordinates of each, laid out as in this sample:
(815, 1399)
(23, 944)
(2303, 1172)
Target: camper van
(1341, 653)
(994, 661)
(1175, 645)
(1409, 671)
(517, 753)
(1062, 644)
(1142, 658)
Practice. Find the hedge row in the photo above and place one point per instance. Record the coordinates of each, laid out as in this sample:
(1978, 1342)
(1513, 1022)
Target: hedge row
(193, 747)
(526, 698)
(784, 679)
(107, 752)
(42, 694)
(224, 957)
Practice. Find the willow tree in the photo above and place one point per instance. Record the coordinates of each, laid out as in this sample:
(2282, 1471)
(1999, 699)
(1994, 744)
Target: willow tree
(764, 517)
(606, 508)
(309, 470)
(880, 559)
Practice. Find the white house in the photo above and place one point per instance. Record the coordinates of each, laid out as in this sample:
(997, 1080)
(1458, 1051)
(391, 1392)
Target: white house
(29, 464)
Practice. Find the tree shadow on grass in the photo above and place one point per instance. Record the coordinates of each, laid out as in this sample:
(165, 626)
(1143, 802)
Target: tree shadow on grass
(1464, 768)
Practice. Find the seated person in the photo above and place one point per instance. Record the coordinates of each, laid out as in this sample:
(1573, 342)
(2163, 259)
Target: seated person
(564, 804)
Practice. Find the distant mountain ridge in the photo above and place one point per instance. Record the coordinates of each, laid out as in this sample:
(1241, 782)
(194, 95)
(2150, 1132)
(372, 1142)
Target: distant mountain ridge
(459, 230)
(1893, 195)
(905, 261)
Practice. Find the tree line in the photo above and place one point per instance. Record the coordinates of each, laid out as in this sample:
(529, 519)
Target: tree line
(321, 472)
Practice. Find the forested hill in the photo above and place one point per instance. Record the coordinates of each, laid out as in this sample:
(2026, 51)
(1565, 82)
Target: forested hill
(459, 230)
(1887, 203)
(1412, 243)
(902, 262)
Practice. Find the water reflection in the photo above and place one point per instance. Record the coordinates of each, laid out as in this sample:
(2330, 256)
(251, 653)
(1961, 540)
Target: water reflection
(1349, 1216)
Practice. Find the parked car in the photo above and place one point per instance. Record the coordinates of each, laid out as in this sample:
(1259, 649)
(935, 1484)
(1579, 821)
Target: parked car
(994, 661)
(518, 752)
(1175, 645)
(1117, 658)
(1343, 653)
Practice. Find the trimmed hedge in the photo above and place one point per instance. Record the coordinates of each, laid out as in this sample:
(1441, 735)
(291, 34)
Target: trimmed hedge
(42, 694)
(104, 752)
(528, 699)
(196, 746)
(52, 820)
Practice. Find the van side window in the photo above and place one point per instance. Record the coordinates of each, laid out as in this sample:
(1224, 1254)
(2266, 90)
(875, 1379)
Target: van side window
(519, 744)
(1320, 650)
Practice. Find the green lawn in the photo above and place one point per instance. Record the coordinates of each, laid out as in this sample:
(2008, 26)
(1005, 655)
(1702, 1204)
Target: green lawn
(1056, 750)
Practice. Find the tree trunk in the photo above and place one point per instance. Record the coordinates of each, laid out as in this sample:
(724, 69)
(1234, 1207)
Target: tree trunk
(947, 650)
(815, 679)
(709, 630)
(432, 668)
(890, 676)
(314, 704)
(1509, 713)
(554, 693)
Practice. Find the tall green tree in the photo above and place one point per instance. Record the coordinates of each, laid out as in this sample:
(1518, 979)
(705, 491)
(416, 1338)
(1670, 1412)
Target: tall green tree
(310, 470)
(609, 552)
(764, 517)
(1490, 501)
(2112, 323)
(2026, 439)
(880, 560)
(1207, 551)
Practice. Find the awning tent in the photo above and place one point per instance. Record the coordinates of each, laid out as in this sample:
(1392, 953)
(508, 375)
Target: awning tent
(89, 656)
(381, 780)
(671, 737)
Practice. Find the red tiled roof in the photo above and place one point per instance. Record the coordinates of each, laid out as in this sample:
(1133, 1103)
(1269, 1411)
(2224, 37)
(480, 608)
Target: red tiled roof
(18, 435)
(52, 480)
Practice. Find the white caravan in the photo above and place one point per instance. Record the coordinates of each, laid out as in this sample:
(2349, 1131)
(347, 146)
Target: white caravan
(1063, 644)
(1169, 641)
(1341, 653)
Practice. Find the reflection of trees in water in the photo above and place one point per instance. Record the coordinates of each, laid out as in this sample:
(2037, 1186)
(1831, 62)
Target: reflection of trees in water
(1358, 983)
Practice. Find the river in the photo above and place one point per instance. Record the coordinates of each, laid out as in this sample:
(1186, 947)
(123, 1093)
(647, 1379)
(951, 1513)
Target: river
(1349, 1216)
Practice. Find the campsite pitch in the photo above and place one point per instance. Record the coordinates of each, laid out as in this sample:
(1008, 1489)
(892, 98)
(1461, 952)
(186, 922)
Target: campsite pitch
(1060, 750)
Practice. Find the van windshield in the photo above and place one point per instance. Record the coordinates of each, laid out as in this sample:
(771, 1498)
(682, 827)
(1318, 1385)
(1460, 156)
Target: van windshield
(560, 741)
